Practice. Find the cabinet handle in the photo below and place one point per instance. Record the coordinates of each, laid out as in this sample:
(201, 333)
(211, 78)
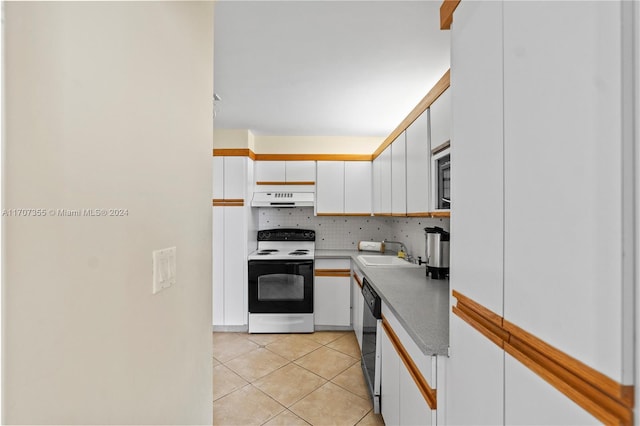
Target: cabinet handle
(429, 394)
(604, 398)
(332, 273)
(355, 277)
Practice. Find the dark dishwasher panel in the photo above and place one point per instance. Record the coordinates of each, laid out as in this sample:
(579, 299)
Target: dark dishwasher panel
(371, 317)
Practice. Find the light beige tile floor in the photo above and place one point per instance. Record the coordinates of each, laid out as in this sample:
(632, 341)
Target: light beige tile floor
(289, 379)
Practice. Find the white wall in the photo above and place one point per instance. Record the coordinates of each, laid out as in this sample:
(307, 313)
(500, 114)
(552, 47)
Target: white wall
(316, 144)
(107, 105)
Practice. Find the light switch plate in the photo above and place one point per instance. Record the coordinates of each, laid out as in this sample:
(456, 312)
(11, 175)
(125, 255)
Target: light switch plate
(164, 268)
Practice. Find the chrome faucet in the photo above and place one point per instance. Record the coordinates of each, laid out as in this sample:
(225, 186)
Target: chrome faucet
(403, 248)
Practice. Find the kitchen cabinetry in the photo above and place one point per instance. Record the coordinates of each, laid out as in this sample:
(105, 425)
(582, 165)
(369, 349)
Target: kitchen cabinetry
(399, 176)
(343, 187)
(440, 111)
(229, 177)
(357, 302)
(229, 266)
(404, 371)
(418, 165)
(385, 181)
(285, 172)
(332, 293)
(233, 221)
(553, 132)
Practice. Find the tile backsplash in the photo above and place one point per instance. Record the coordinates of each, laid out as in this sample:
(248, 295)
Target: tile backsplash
(344, 232)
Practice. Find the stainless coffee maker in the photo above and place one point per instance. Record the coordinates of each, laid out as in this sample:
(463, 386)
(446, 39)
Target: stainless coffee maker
(437, 252)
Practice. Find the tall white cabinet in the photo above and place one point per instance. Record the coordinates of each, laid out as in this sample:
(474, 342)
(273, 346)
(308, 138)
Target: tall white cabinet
(234, 226)
(539, 184)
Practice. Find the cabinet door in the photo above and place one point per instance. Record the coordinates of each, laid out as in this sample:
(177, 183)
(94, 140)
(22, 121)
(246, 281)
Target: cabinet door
(557, 116)
(300, 171)
(357, 187)
(377, 184)
(235, 176)
(529, 400)
(332, 301)
(270, 171)
(330, 187)
(385, 181)
(218, 265)
(475, 368)
(418, 165)
(414, 409)
(235, 266)
(440, 111)
(399, 175)
(218, 177)
(474, 377)
(389, 381)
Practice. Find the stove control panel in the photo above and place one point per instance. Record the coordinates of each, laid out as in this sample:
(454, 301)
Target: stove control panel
(287, 234)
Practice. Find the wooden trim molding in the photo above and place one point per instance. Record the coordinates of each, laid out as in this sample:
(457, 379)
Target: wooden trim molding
(234, 152)
(332, 273)
(355, 277)
(437, 90)
(344, 214)
(443, 213)
(313, 157)
(383, 214)
(604, 398)
(446, 13)
(286, 183)
(428, 393)
(230, 202)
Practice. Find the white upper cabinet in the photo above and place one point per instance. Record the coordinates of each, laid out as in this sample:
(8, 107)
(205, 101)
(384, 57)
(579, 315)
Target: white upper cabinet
(300, 171)
(440, 111)
(343, 187)
(418, 165)
(399, 176)
(285, 171)
(229, 177)
(270, 171)
(385, 181)
(377, 179)
(564, 145)
(330, 187)
(357, 187)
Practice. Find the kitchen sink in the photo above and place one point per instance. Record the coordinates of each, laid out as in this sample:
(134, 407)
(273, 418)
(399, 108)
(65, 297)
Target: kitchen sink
(378, 260)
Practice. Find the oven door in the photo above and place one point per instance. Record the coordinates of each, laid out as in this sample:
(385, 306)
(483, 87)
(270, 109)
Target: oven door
(280, 286)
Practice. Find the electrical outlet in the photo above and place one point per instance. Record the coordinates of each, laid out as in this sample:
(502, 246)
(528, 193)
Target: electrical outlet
(164, 268)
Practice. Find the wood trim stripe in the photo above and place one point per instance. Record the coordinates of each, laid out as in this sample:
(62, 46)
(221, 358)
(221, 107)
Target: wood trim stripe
(441, 214)
(343, 214)
(313, 157)
(231, 202)
(355, 277)
(437, 90)
(382, 214)
(601, 396)
(332, 272)
(446, 13)
(285, 183)
(428, 393)
(234, 152)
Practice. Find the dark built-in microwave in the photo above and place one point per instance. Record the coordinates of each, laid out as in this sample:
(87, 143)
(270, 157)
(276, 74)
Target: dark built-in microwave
(442, 186)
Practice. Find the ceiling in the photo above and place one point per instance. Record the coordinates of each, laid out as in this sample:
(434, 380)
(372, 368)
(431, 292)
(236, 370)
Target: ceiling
(325, 68)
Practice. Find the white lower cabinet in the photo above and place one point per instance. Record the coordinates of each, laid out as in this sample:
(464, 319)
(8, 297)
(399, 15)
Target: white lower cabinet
(389, 381)
(229, 266)
(332, 292)
(357, 303)
(401, 398)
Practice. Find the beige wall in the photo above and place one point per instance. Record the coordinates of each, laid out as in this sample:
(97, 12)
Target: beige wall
(108, 105)
(260, 144)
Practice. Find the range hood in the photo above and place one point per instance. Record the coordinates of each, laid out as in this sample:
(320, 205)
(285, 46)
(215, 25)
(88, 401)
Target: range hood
(283, 199)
